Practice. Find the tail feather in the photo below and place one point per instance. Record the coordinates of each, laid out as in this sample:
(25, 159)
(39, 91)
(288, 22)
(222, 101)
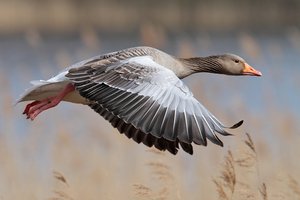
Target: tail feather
(40, 90)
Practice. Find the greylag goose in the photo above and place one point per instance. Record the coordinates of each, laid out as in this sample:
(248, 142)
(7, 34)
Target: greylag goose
(139, 91)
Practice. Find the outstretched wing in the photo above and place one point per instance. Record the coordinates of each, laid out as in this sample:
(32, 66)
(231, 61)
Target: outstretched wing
(148, 98)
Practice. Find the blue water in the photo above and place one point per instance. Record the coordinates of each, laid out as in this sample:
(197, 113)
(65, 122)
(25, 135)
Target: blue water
(277, 58)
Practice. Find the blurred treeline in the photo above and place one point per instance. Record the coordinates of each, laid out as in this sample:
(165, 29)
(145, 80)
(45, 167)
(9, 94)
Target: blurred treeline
(66, 16)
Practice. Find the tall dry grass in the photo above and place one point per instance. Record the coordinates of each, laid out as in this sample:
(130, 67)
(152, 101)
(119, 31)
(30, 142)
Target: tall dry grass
(238, 177)
(231, 184)
(69, 152)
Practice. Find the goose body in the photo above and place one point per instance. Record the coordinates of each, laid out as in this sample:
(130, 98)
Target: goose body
(139, 91)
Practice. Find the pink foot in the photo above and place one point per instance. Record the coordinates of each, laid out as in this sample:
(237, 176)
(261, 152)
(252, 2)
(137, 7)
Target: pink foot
(28, 106)
(33, 109)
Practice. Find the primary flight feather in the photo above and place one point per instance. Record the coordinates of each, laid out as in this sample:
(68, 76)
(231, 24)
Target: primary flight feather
(139, 91)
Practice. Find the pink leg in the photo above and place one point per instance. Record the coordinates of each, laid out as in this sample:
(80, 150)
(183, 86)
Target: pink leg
(40, 105)
(36, 107)
(28, 106)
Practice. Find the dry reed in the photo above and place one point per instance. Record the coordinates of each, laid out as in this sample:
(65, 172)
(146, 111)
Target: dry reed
(294, 186)
(240, 176)
(164, 186)
(142, 191)
(60, 177)
(63, 192)
(226, 182)
(263, 191)
(249, 155)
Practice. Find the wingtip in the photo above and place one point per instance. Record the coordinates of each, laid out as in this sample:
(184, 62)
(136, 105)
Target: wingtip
(237, 124)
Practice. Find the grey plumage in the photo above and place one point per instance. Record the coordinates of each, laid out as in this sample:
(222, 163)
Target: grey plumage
(149, 98)
(139, 91)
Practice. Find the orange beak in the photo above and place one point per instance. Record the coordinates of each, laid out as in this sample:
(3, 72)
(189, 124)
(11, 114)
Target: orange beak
(248, 70)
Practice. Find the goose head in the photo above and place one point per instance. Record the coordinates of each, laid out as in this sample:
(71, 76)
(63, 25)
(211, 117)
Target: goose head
(234, 65)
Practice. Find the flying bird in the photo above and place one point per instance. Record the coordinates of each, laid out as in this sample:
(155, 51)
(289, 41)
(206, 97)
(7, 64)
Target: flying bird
(139, 91)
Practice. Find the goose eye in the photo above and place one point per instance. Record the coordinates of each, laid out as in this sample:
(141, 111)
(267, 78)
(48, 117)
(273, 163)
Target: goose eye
(236, 61)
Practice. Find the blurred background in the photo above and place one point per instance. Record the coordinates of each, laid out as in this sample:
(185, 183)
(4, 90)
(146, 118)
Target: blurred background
(70, 152)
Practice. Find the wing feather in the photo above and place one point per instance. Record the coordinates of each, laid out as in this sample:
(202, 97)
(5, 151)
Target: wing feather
(132, 133)
(147, 102)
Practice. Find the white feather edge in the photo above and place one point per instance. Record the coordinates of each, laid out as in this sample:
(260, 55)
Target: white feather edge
(38, 85)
